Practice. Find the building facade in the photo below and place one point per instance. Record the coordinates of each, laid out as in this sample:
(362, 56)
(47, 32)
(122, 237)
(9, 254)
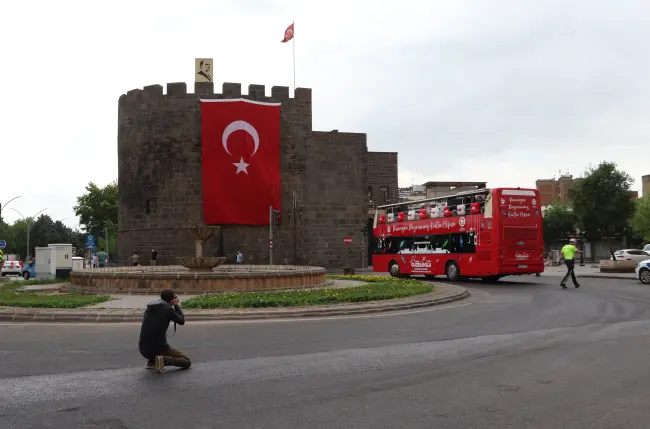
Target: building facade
(554, 189)
(326, 176)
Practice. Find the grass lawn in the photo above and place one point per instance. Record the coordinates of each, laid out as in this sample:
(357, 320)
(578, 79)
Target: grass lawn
(377, 288)
(10, 298)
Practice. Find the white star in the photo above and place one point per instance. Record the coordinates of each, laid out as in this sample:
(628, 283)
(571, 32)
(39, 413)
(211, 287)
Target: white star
(241, 166)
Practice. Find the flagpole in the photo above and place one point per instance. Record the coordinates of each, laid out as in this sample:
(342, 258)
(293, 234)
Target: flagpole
(294, 57)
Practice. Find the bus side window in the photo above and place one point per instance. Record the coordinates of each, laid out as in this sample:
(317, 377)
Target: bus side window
(461, 243)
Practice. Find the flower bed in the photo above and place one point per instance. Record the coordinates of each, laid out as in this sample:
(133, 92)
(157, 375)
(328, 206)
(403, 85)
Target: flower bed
(376, 288)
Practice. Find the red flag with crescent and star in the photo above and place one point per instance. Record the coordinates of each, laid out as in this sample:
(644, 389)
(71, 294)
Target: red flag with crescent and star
(288, 34)
(240, 142)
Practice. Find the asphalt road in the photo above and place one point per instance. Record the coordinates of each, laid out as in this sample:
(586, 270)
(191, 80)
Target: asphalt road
(523, 354)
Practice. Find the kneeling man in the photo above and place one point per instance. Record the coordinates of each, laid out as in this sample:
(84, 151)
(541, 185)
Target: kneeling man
(153, 334)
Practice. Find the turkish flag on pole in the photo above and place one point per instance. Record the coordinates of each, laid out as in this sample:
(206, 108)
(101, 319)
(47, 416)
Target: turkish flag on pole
(240, 142)
(288, 34)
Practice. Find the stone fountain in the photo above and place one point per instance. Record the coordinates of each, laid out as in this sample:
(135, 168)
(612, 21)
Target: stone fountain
(199, 263)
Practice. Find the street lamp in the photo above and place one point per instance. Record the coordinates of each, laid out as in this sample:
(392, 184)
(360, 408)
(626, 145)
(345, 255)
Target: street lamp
(5, 204)
(29, 226)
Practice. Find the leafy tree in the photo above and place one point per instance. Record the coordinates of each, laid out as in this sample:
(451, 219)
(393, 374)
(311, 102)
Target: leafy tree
(559, 221)
(602, 201)
(641, 220)
(97, 208)
(43, 231)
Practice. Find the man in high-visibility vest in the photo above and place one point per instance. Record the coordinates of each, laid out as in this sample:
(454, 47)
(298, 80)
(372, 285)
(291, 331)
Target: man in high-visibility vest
(568, 254)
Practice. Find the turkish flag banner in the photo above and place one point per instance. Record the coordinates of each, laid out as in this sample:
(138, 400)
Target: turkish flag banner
(240, 142)
(288, 34)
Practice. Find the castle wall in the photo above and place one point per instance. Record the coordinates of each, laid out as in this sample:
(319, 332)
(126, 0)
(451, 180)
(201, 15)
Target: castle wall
(159, 179)
(382, 173)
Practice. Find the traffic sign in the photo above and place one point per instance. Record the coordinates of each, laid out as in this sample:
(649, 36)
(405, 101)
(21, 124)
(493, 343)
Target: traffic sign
(3, 244)
(347, 240)
(74, 251)
(90, 241)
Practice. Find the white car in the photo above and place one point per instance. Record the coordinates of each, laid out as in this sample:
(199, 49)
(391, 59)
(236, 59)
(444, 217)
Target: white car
(646, 248)
(635, 255)
(11, 268)
(642, 271)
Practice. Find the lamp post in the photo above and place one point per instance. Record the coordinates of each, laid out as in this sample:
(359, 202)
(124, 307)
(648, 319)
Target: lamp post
(582, 248)
(29, 226)
(108, 248)
(6, 204)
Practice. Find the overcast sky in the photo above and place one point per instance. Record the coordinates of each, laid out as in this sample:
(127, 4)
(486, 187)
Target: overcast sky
(501, 91)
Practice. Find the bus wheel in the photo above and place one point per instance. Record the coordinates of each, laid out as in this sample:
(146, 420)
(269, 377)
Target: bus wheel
(452, 271)
(393, 269)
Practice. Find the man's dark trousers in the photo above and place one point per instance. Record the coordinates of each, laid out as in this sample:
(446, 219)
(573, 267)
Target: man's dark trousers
(173, 357)
(570, 263)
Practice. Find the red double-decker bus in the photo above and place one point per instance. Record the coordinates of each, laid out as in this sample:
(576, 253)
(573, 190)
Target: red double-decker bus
(487, 233)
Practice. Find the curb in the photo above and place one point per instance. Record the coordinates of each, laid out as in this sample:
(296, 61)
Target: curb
(614, 277)
(72, 316)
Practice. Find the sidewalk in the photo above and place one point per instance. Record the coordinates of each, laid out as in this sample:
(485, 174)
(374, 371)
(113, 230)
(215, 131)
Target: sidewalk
(130, 308)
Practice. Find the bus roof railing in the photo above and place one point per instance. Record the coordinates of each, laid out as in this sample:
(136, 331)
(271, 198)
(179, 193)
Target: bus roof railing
(426, 200)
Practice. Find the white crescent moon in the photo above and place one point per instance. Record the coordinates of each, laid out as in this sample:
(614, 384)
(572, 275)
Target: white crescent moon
(236, 126)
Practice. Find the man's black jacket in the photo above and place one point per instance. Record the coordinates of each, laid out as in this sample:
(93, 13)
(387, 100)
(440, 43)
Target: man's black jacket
(153, 334)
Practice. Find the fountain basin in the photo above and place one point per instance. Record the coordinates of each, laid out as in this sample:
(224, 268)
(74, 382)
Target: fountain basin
(224, 278)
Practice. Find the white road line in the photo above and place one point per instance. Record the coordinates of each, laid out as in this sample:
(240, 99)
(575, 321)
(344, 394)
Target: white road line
(242, 322)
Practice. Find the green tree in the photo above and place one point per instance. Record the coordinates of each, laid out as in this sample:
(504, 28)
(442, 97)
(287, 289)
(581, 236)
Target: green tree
(559, 221)
(602, 201)
(97, 208)
(641, 220)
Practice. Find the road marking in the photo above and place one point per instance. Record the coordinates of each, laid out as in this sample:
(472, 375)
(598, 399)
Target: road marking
(237, 322)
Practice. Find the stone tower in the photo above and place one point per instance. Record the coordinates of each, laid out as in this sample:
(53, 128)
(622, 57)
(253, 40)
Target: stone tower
(324, 175)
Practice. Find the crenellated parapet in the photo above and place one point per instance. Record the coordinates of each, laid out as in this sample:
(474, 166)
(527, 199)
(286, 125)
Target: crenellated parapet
(175, 96)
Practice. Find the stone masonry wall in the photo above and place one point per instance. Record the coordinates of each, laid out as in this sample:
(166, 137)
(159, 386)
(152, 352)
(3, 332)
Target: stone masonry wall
(382, 173)
(336, 202)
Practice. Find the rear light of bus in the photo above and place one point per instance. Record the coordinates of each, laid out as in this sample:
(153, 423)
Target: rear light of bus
(501, 254)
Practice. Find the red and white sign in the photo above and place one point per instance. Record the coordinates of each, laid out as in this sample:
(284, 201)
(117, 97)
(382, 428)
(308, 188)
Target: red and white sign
(240, 142)
(347, 240)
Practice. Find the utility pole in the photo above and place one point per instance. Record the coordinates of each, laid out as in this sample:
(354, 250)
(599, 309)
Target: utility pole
(295, 226)
(108, 248)
(270, 235)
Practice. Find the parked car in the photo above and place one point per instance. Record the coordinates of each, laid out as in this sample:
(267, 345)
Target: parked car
(646, 248)
(11, 268)
(642, 271)
(635, 255)
(29, 271)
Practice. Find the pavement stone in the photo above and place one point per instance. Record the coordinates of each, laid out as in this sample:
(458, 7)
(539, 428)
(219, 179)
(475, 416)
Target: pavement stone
(442, 294)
